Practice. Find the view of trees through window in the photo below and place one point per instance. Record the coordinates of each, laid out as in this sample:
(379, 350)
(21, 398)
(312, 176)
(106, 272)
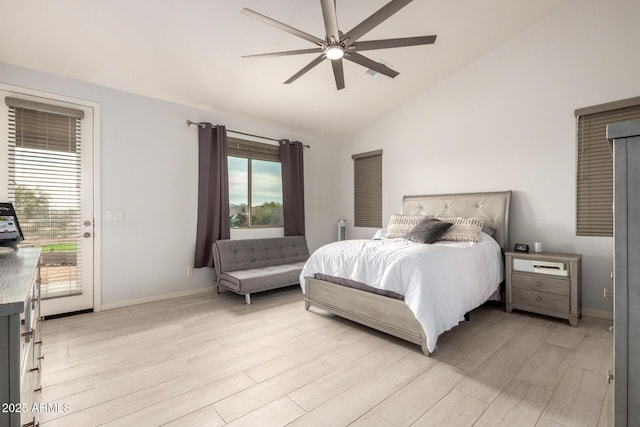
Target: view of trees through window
(255, 193)
(43, 222)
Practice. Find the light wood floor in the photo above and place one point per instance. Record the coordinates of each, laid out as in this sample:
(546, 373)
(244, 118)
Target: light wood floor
(210, 360)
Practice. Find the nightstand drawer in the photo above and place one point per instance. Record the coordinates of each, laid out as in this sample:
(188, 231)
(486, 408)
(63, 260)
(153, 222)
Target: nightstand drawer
(540, 299)
(540, 283)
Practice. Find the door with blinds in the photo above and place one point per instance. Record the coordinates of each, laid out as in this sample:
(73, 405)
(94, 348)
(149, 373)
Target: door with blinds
(49, 179)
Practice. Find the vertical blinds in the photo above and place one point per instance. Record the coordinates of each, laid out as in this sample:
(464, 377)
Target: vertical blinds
(367, 172)
(595, 165)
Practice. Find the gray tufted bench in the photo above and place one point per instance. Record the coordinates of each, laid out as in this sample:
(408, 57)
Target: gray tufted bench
(254, 265)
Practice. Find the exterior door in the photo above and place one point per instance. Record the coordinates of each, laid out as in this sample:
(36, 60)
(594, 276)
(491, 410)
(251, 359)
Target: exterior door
(49, 179)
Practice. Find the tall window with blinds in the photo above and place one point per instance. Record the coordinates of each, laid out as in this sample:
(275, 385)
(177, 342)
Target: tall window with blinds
(367, 183)
(594, 204)
(44, 185)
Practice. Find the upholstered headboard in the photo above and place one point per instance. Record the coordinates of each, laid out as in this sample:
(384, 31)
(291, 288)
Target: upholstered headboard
(494, 207)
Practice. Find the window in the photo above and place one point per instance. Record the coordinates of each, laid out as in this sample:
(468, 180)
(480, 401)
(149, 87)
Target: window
(255, 184)
(367, 183)
(594, 205)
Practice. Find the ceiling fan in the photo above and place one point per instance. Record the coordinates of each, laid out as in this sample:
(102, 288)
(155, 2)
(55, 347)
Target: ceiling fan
(338, 45)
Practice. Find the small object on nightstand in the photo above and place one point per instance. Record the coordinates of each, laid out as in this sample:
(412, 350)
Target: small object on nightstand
(545, 283)
(521, 247)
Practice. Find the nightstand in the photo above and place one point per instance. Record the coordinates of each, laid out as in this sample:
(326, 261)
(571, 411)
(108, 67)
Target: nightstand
(545, 283)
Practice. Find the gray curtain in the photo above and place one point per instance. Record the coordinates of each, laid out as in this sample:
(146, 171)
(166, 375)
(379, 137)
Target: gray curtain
(291, 159)
(213, 192)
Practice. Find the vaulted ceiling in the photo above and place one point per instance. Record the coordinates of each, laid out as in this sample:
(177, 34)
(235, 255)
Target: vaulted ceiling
(189, 51)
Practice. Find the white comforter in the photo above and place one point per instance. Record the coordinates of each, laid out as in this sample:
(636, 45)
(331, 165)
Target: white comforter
(440, 282)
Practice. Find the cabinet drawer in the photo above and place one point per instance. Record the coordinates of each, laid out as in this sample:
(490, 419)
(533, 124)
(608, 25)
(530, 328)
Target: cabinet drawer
(540, 283)
(540, 300)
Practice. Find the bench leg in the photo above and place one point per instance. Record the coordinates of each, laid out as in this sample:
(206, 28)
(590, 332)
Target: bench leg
(247, 299)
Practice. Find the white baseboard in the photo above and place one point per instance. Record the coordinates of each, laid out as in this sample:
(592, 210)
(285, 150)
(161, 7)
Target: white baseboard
(600, 314)
(157, 298)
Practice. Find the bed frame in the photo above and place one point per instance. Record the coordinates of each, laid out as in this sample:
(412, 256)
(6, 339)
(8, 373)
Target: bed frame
(390, 315)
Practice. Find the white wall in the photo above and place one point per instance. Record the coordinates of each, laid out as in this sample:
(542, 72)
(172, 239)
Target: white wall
(149, 171)
(506, 122)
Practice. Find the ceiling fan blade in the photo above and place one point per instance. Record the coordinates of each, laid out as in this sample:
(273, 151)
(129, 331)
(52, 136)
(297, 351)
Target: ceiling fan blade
(389, 43)
(281, 26)
(285, 53)
(330, 20)
(369, 63)
(338, 73)
(308, 67)
(374, 20)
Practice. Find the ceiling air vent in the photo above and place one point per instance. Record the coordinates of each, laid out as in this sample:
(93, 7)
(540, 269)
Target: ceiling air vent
(373, 72)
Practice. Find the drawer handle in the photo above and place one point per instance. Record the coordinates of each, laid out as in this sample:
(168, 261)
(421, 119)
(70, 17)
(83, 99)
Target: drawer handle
(538, 283)
(38, 342)
(539, 299)
(31, 424)
(27, 334)
(41, 357)
(36, 369)
(37, 390)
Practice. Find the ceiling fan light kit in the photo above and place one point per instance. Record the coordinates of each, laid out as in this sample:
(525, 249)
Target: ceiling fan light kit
(337, 45)
(334, 52)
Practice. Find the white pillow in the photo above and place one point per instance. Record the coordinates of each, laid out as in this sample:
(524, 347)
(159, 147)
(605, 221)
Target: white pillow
(381, 233)
(463, 229)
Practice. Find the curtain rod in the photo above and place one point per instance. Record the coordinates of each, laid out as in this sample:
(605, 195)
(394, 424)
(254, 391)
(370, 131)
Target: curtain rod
(202, 124)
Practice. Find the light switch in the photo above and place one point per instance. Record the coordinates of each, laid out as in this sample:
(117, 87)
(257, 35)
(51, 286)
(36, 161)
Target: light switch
(115, 215)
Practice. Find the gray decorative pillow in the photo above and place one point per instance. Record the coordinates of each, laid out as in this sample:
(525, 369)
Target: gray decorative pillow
(399, 225)
(489, 230)
(463, 229)
(429, 230)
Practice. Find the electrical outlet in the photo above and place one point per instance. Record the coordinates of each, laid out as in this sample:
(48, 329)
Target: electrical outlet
(189, 270)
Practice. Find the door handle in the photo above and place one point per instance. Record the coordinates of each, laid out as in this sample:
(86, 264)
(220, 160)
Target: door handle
(606, 294)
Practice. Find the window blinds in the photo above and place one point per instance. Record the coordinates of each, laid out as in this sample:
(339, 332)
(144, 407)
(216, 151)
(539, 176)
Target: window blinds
(595, 165)
(44, 181)
(367, 172)
(252, 150)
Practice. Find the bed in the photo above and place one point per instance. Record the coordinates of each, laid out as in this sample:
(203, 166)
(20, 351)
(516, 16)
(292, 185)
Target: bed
(430, 300)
